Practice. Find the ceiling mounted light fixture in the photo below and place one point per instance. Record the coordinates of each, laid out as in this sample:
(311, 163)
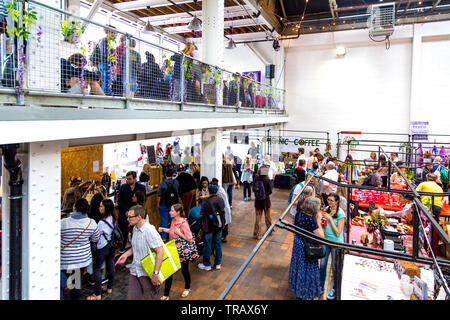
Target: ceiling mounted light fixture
(276, 45)
(148, 28)
(231, 44)
(195, 24)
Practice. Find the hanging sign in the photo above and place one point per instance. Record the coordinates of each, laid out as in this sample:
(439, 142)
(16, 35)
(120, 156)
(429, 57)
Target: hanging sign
(291, 144)
(419, 129)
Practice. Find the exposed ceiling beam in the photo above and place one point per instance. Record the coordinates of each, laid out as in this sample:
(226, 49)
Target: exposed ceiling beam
(97, 4)
(107, 6)
(143, 4)
(266, 14)
(406, 8)
(435, 4)
(365, 6)
(283, 9)
(226, 24)
(183, 17)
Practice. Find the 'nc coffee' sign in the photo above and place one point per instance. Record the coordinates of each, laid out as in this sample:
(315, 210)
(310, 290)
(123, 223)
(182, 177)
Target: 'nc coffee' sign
(291, 144)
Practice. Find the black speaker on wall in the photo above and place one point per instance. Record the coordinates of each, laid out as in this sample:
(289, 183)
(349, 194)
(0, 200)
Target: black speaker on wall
(270, 71)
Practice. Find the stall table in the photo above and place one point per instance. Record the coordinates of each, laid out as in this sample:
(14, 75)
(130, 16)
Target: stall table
(371, 279)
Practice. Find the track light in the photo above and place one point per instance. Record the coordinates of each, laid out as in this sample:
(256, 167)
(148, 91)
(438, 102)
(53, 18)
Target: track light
(231, 44)
(148, 28)
(195, 24)
(276, 45)
(256, 15)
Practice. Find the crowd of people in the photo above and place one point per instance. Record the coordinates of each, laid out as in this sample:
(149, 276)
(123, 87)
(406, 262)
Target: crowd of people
(187, 202)
(322, 206)
(105, 73)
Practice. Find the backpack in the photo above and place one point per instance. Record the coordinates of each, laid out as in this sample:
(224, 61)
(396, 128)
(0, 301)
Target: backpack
(292, 192)
(367, 181)
(217, 218)
(95, 55)
(444, 176)
(258, 189)
(117, 239)
(171, 195)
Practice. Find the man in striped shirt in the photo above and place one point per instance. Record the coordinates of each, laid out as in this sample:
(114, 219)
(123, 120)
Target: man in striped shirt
(145, 237)
(77, 233)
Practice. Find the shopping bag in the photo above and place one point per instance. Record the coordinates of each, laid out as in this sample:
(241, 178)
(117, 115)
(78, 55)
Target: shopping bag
(170, 262)
(187, 251)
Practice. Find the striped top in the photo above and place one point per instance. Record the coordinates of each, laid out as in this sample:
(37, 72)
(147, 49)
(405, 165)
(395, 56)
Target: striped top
(78, 253)
(3, 12)
(146, 235)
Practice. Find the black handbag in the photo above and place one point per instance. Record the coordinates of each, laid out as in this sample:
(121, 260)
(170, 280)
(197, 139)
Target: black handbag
(313, 250)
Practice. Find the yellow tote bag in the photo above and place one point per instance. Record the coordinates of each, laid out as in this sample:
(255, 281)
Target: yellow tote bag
(170, 262)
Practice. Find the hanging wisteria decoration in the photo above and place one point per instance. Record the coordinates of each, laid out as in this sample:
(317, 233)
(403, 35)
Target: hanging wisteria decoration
(21, 69)
(111, 64)
(38, 35)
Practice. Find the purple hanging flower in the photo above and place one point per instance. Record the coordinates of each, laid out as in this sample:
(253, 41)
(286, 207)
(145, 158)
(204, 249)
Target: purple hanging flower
(171, 89)
(38, 35)
(21, 68)
(82, 78)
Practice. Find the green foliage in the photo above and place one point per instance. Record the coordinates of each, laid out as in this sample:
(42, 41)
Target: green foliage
(69, 29)
(25, 20)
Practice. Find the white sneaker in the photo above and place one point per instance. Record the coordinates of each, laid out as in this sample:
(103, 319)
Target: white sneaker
(218, 267)
(203, 267)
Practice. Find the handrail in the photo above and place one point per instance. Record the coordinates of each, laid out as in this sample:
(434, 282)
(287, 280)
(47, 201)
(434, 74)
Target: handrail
(446, 288)
(258, 246)
(424, 209)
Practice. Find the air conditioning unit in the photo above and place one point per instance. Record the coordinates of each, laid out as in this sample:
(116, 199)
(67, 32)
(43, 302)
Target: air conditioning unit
(382, 19)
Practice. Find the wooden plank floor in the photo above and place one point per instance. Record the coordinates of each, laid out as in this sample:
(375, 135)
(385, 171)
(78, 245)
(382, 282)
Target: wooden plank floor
(266, 277)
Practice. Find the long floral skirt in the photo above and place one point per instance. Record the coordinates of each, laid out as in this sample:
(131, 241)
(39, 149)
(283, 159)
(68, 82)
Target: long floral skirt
(304, 276)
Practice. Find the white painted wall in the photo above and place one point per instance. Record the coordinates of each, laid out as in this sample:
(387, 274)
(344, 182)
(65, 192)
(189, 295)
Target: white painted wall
(369, 89)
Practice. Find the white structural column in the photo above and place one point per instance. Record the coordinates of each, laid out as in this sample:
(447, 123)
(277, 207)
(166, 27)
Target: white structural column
(415, 100)
(211, 162)
(212, 32)
(42, 223)
(213, 39)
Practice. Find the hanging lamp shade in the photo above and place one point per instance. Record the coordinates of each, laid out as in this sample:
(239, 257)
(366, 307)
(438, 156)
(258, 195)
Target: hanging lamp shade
(231, 44)
(148, 28)
(195, 24)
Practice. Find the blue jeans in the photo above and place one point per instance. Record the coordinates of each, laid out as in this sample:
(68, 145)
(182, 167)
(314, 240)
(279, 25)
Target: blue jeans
(103, 68)
(230, 194)
(324, 263)
(247, 189)
(212, 239)
(165, 219)
(103, 255)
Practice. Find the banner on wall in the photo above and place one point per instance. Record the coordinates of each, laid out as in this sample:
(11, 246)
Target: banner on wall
(255, 75)
(419, 129)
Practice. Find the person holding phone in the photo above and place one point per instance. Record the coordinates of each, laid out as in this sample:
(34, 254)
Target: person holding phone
(333, 222)
(247, 177)
(145, 237)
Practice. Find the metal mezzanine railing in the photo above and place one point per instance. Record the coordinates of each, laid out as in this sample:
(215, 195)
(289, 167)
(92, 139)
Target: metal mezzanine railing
(66, 55)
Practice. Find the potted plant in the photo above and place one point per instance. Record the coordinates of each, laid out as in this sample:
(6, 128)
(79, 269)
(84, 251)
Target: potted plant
(72, 30)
